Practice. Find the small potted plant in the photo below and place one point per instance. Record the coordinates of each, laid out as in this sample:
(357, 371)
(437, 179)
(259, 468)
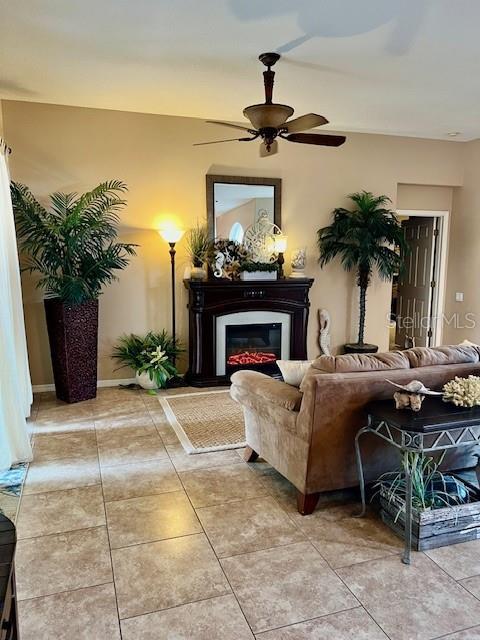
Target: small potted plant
(250, 270)
(151, 356)
(198, 243)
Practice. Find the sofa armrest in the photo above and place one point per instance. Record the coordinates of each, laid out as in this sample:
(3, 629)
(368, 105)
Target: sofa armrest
(271, 390)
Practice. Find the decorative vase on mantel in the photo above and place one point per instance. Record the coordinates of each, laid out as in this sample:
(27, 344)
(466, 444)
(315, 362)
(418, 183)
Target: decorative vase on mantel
(198, 272)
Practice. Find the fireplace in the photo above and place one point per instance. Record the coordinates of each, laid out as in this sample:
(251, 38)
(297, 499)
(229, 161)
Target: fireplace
(251, 340)
(245, 325)
(255, 346)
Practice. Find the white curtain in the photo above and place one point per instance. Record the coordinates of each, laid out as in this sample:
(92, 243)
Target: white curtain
(15, 384)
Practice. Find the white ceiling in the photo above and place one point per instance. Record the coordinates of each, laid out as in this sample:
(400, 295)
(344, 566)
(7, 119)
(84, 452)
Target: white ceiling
(407, 67)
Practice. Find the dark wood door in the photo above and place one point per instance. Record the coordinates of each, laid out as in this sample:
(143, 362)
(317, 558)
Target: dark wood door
(415, 288)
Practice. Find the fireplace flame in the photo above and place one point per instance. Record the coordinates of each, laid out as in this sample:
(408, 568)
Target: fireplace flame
(251, 357)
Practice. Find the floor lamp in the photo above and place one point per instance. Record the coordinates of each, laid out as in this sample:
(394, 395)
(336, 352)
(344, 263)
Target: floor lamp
(172, 235)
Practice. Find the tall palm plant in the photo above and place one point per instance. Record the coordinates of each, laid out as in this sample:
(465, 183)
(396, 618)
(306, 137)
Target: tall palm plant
(368, 238)
(73, 245)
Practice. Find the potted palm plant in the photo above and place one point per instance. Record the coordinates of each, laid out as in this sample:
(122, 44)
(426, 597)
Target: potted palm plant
(73, 247)
(367, 238)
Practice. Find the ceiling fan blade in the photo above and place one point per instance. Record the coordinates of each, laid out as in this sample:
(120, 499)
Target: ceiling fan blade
(199, 144)
(302, 123)
(230, 124)
(316, 138)
(273, 149)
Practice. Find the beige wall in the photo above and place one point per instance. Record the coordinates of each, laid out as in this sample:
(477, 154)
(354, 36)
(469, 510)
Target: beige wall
(462, 319)
(244, 214)
(424, 197)
(68, 148)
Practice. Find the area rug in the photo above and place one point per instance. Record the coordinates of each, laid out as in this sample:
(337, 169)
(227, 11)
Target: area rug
(205, 420)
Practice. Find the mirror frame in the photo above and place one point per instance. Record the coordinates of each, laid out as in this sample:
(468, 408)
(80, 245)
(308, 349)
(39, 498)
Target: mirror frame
(211, 180)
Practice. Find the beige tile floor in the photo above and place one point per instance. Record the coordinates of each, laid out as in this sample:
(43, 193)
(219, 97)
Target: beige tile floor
(124, 536)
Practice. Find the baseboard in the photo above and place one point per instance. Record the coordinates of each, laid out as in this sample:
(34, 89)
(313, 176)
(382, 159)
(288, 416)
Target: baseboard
(41, 388)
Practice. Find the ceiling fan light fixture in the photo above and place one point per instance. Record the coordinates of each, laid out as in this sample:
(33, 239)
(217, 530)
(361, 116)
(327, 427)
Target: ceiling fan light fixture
(268, 116)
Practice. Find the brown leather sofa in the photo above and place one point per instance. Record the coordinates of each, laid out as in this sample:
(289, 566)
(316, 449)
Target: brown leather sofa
(308, 434)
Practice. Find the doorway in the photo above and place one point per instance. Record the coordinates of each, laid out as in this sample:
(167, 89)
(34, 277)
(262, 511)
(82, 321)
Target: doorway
(418, 292)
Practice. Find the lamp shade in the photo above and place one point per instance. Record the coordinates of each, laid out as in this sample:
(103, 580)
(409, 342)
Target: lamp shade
(171, 233)
(280, 243)
(268, 116)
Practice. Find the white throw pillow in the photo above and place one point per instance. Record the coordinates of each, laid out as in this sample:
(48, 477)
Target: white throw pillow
(293, 371)
(468, 343)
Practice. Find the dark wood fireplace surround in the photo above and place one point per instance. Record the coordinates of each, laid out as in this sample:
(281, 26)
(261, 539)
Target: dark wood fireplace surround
(212, 298)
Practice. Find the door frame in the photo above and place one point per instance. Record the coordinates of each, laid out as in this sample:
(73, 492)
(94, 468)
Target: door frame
(439, 266)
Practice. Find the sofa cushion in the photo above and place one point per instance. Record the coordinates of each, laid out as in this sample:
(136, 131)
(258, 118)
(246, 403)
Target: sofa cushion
(428, 357)
(353, 362)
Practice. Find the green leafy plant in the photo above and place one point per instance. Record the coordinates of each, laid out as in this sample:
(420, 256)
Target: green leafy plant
(198, 243)
(73, 245)
(431, 489)
(153, 353)
(366, 239)
(250, 266)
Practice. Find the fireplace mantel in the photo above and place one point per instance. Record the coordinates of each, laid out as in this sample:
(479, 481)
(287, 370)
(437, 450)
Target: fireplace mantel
(211, 299)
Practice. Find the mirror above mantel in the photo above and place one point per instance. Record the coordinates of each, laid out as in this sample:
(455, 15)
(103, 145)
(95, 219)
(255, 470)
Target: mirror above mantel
(236, 202)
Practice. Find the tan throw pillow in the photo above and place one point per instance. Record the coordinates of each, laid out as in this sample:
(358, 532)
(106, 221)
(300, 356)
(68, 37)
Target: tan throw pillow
(293, 371)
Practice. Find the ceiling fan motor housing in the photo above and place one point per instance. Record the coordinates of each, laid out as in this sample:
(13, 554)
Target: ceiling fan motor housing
(264, 116)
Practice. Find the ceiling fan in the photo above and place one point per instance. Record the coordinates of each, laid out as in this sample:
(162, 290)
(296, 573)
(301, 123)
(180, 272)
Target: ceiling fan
(270, 121)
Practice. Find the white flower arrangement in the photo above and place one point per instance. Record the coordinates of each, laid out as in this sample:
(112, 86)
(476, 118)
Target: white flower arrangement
(463, 392)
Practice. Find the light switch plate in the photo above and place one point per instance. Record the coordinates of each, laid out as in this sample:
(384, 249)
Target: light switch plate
(459, 296)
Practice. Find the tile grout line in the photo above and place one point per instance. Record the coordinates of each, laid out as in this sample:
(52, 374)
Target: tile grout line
(456, 582)
(270, 495)
(58, 593)
(324, 615)
(450, 633)
(109, 542)
(357, 599)
(217, 560)
(308, 538)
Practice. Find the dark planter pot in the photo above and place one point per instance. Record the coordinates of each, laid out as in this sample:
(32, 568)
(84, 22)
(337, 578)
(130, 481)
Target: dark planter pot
(73, 336)
(354, 347)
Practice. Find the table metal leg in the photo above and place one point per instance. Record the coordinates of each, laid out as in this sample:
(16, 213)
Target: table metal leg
(408, 517)
(361, 478)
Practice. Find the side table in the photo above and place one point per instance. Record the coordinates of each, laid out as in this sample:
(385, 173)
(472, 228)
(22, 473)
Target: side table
(436, 427)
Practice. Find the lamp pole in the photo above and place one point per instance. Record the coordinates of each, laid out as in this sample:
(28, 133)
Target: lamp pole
(172, 263)
(280, 247)
(172, 234)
